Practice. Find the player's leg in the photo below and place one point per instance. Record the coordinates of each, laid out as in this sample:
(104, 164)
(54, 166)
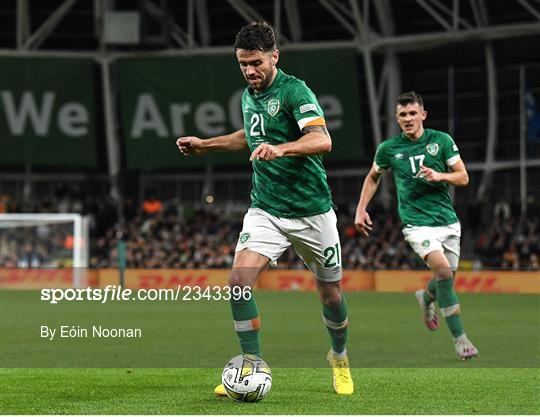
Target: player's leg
(335, 318)
(426, 298)
(448, 302)
(451, 245)
(446, 296)
(429, 294)
(246, 268)
(439, 248)
(316, 240)
(259, 243)
(423, 240)
(450, 237)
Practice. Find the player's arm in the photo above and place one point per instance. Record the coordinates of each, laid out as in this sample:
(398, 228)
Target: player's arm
(362, 221)
(235, 141)
(458, 177)
(314, 141)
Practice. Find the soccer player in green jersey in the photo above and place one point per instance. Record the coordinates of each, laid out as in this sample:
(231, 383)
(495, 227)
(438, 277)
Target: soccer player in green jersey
(424, 163)
(285, 131)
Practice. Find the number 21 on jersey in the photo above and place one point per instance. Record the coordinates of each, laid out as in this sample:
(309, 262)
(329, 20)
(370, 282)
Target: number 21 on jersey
(257, 125)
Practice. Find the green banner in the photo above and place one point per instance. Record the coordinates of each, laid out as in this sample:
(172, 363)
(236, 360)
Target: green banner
(164, 98)
(47, 112)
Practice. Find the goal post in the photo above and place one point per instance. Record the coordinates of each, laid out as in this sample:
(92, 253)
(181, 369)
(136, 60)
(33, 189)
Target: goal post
(22, 229)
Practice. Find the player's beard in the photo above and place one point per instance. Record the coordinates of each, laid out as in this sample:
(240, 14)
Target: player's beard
(263, 81)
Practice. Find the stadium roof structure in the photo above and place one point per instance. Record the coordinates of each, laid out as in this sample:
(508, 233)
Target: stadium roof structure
(75, 25)
(388, 34)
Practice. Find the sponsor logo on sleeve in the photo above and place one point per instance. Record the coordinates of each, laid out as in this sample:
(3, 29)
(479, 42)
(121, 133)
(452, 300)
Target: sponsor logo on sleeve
(304, 108)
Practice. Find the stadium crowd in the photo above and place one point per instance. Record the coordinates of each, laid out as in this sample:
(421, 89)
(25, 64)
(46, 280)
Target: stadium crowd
(167, 234)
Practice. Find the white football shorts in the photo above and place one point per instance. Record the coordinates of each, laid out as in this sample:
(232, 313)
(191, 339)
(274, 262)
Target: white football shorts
(426, 239)
(315, 239)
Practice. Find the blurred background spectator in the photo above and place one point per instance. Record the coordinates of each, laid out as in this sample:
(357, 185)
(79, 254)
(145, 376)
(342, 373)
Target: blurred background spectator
(172, 235)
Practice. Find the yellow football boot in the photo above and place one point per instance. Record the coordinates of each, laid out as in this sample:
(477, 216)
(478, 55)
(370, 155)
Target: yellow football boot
(343, 383)
(220, 391)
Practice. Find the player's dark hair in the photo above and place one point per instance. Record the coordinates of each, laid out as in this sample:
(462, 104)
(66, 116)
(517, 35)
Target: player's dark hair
(410, 97)
(257, 36)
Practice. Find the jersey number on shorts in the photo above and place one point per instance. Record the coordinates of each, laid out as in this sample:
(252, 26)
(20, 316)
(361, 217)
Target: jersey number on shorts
(257, 119)
(332, 255)
(419, 158)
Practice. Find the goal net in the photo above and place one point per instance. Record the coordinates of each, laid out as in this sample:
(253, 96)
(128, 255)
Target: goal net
(45, 241)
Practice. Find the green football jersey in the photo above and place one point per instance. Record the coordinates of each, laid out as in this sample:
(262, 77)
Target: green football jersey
(287, 187)
(420, 203)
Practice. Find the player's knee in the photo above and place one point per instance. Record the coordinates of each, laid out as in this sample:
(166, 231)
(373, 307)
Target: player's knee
(238, 278)
(236, 281)
(444, 273)
(332, 300)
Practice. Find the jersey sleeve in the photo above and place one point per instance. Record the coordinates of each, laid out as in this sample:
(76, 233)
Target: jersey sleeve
(381, 162)
(450, 151)
(304, 106)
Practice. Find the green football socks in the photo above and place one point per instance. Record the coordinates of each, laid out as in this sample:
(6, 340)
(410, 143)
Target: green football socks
(336, 322)
(449, 306)
(430, 294)
(247, 324)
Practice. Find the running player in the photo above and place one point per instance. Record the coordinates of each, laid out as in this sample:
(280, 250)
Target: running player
(424, 163)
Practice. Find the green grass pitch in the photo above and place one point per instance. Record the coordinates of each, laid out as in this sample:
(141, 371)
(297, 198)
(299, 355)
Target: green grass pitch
(399, 367)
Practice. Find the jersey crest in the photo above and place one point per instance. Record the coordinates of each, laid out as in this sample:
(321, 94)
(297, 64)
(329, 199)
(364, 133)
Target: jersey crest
(432, 148)
(273, 107)
(244, 237)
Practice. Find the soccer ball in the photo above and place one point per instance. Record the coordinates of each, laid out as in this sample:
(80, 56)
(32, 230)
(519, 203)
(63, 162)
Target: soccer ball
(247, 378)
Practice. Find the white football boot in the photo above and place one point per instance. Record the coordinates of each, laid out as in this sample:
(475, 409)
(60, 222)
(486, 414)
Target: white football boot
(429, 313)
(464, 348)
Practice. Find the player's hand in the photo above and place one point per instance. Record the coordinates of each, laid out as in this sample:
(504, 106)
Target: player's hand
(362, 222)
(266, 152)
(190, 145)
(429, 174)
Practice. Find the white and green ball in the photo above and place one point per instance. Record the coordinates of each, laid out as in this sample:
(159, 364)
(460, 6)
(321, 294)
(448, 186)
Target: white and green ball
(247, 378)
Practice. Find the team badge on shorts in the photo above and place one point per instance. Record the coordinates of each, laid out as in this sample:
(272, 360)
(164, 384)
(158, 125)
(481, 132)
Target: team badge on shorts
(273, 107)
(432, 148)
(425, 243)
(244, 237)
